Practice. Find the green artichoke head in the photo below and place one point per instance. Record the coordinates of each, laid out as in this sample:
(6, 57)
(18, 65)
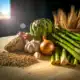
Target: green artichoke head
(41, 27)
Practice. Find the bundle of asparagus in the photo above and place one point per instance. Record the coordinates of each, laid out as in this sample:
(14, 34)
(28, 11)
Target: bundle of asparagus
(63, 58)
(69, 41)
(60, 57)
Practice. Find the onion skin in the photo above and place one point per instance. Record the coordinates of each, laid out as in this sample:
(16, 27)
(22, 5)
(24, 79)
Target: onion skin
(47, 47)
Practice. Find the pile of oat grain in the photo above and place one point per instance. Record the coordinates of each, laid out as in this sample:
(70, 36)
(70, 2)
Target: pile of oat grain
(18, 59)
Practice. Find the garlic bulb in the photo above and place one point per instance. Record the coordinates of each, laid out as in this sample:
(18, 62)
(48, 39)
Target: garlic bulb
(36, 44)
(28, 47)
(32, 46)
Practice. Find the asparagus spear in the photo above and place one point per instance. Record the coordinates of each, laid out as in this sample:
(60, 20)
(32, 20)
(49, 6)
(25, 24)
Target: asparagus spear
(70, 34)
(66, 42)
(69, 58)
(52, 59)
(57, 55)
(70, 50)
(72, 61)
(77, 34)
(78, 42)
(67, 38)
(73, 33)
(64, 59)
(75, 62)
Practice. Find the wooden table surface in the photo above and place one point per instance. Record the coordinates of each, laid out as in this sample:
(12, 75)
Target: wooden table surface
(40, 71)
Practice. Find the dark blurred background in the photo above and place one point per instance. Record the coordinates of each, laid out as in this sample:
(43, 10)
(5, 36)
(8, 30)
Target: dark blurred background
(23, 12)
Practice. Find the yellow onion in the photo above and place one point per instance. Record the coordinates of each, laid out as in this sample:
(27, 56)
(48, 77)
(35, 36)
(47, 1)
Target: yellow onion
(47, 46)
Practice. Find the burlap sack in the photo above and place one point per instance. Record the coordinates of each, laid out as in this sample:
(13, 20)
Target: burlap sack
(16, 44)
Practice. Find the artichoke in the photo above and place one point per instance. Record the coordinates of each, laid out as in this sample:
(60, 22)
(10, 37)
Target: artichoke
(40, 27)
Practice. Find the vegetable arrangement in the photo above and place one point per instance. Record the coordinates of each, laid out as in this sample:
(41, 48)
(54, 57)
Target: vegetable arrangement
(65, 44)
(54, 39)
(68, 43)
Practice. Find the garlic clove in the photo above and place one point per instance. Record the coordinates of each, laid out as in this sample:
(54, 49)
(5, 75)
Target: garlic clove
(36, 45)
(35, 41)
(30, 48)
(25, 48)
(37, 55)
